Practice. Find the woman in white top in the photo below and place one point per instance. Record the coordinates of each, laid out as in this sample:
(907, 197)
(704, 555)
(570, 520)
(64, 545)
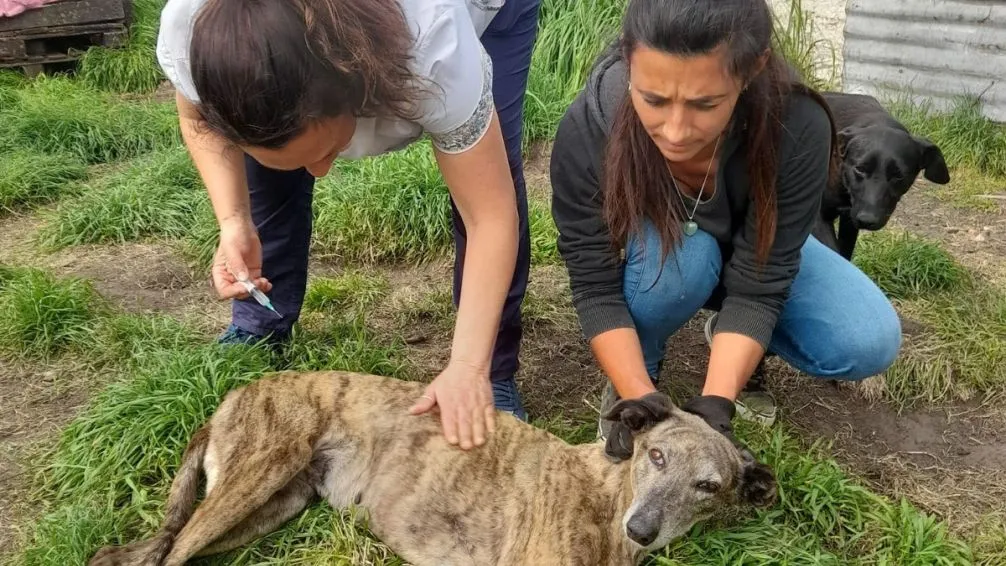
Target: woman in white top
(271, 92)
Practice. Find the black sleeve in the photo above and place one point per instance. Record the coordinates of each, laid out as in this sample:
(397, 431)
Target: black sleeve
(755, 295)
(594, 264)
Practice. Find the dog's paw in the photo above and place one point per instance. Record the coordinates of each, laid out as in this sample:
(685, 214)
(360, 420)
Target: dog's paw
(110, 556)
(136, 554)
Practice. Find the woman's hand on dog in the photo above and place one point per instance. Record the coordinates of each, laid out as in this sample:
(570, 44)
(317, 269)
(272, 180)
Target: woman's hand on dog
(464, 397)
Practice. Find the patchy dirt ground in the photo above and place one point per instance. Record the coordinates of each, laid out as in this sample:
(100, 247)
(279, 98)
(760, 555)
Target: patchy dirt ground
(951, 461)
(977, 238)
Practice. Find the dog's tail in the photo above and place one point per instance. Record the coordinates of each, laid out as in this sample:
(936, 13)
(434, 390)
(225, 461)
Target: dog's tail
(184, 489)
(180, 506)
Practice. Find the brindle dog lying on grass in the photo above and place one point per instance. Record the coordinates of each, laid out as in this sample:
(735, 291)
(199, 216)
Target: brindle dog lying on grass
(525, 497)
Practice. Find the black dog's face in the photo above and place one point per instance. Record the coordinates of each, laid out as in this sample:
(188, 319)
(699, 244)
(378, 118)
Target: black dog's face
(879, 165)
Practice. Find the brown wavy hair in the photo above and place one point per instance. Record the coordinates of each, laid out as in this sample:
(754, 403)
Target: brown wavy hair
(264, 69)
(636, 184)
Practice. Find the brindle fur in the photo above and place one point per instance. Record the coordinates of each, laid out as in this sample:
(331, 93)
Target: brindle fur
(525, 497)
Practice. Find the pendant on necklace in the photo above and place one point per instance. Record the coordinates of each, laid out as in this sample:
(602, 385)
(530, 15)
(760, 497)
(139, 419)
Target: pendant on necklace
(691, 228)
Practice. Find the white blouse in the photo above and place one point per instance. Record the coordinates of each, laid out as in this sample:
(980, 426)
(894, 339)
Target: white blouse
(456, 108)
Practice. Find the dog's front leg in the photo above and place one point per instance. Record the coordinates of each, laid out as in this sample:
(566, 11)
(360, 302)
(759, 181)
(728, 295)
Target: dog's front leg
(847, 236)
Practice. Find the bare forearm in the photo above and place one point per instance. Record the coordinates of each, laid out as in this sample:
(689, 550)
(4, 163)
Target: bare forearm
(490, 257)
(220, 165)
(620, 356)
(732, 360)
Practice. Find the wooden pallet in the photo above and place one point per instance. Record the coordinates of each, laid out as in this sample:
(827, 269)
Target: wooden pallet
(61, 32)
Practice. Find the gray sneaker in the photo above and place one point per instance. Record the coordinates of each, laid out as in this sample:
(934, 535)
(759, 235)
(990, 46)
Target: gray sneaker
(608, 399)
(754, 403)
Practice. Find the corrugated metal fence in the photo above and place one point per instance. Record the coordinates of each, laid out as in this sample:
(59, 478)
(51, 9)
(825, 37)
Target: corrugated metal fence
(935, 49)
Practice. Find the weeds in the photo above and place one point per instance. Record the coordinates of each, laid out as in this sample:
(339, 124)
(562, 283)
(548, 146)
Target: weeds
(156, 196)
(907, 266)
(354, 291)
(964, 135)
(571, 34)
(28, 178)
(794, 39)
(962, 350)
(134, 67)
(43, 317)
(57, 115)
(391, 208)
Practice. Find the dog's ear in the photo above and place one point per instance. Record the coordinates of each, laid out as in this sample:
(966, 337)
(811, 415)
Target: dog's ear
(757, 485)
(844, 136)
(932, 161)
(643, 413)
(633, 416)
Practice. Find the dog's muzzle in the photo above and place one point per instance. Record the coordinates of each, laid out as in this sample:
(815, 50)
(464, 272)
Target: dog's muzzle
(643, 527)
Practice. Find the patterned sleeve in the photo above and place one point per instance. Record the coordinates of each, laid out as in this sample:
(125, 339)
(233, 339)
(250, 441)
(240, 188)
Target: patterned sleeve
(459, 105)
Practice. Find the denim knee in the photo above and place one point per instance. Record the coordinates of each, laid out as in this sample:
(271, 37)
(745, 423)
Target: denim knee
(854, 354)
(664, 292)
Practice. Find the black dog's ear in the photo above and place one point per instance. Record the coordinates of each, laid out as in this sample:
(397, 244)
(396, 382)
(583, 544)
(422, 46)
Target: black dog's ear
(844, 136)
(633, 416)
(757, 485)
(642, 413)
(932, 161)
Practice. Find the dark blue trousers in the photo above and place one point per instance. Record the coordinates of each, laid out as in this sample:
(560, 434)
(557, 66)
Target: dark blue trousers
(281, 201)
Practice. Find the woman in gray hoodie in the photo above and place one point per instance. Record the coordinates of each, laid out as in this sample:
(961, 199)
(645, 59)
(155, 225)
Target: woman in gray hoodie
(688, 174)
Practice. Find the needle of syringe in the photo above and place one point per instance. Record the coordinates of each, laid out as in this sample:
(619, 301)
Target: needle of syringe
(259, 296)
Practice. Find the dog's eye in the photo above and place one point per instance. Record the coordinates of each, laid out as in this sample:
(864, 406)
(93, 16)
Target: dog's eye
(657, 457)
(707, 486)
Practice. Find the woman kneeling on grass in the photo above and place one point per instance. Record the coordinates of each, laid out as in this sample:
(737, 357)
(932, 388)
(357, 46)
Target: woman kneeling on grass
(271, 92)
(688, 174)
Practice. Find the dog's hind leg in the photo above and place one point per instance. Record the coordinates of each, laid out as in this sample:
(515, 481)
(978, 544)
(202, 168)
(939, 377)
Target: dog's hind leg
(244, 484)
(281, 507)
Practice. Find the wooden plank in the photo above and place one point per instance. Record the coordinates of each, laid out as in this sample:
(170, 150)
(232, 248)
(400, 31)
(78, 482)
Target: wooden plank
(64, 31)
(18, 51)
(65, 12)
(12, 49)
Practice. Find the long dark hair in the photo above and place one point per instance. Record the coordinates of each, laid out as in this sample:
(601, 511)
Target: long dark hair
(636, 184)
(264, 69)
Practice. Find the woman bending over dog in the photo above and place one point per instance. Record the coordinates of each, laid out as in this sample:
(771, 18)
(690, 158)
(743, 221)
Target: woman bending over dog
(271, 92)
(688, 174)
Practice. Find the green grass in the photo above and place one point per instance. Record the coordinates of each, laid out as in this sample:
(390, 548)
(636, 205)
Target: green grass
(965, 136)
(961, 350)
(353, 291)
(44, 317)
(570, 36)
(794, 38)
(544, 234)
(10, 83)
(58, 115)
(907, 266)
(134, 67)
(200, 243)
(391, 208)
(157, 195)
(970, 189)
(29, 178)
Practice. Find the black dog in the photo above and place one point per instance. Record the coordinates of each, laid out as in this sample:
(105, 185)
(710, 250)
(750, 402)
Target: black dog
(880, 161)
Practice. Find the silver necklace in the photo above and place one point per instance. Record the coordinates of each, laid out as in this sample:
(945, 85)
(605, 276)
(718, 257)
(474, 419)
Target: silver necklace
(690, 226)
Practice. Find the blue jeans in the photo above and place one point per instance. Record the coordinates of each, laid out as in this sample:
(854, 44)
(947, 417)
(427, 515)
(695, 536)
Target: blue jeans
(281, 205)
(836, 323)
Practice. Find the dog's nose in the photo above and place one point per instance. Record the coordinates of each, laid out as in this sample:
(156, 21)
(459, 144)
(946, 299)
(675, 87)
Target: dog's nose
(642, 528)
(870, 220)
